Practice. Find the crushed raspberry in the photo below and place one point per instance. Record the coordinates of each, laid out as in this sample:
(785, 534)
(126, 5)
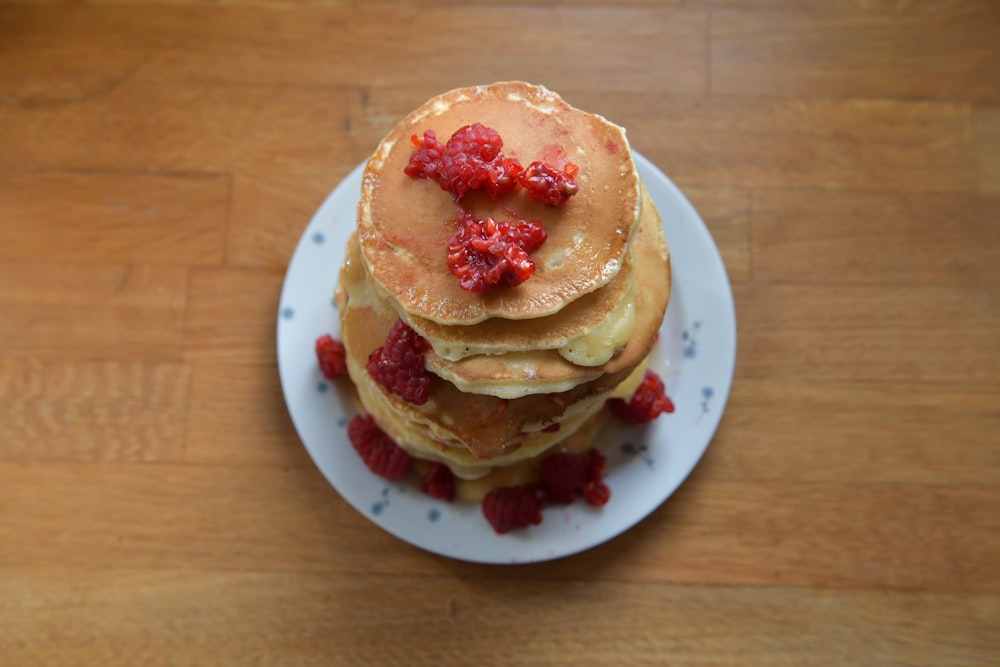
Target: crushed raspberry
(399, 364)
(548, 184)
(503, 176)
(331, 356)
(378, 451)
(563, 475)
(472, 159)
(567, 476)
(439, 482)
(512, 507)
(425, 162)
(486, 253)
(648, 402)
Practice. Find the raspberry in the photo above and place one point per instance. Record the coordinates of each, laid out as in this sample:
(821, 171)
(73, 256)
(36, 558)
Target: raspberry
(378, 451)
(503, 175)
(597, 495)
(563, 475)
(399, 364)
(331, 356)
(468, 160)
(567, 476)
(485, 253)
(512, 507)
(439, 482)
(648, 402)
(471, 160)
(425, 162)
(548, 184)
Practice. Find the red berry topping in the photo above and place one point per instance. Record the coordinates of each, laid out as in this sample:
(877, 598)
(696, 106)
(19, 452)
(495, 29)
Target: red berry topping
(472, 160)
(399, 364)
(379, 452)
(567, 476)
(426, 159)
(439, 482)
(503, 176)
(648, 402)
(486, 253)
(597, 495)
(512, 507)
(331, 356)
(548, 184)
(563, 475)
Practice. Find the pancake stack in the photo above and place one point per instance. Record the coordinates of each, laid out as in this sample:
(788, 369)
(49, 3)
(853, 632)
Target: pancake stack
(519, 370)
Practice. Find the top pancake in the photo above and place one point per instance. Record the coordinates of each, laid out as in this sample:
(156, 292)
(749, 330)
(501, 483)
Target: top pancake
(405, 224)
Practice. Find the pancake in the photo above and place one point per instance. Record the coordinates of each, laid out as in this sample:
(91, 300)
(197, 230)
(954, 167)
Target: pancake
(498, 335)
(570, 330)
(522, 370)
(404, 224)
(486, 426)
(517, 374)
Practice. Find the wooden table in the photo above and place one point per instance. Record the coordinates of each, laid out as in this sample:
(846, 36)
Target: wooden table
(159, 163)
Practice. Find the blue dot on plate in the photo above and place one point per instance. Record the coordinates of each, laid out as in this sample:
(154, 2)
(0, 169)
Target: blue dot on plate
(318, 238)
(433, 514)
(321, 387)
(377, 508)
(342, 422)
(707, 392)
(288, 312)
(689, 352)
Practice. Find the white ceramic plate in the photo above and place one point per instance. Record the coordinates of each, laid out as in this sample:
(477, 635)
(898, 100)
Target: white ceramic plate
(695, 357)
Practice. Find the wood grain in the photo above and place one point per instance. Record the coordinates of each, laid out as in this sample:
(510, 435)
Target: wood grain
(158, 164)
(220, 430)
(232, 316)
(820, 431)
(99, 410)
(113, 217)
(918, 56)
(93, 310)
(879, 334)
(923, 239)
(187, 616)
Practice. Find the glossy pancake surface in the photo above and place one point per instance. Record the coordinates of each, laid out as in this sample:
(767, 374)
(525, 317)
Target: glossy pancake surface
(405, 224)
